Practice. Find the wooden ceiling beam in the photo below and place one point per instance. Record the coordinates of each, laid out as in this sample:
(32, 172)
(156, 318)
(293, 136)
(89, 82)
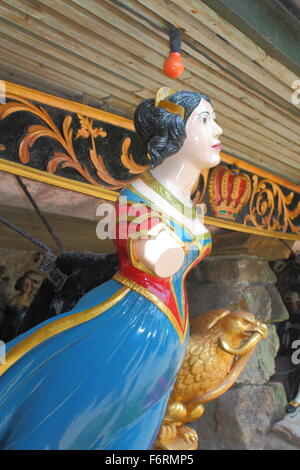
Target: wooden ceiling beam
(237, 147)
(225, 51)
(233, 36)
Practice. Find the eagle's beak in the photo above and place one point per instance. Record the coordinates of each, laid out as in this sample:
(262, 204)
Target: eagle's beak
(262, 329)
(255, 333)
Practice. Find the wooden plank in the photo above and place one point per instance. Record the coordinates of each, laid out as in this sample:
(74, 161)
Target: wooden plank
(251, 117)
(84, 27)
(43, 50)
(52, 40)
(259, 142)
(93, 75)
(83, 36)
(131, 39)
(99, 89)
(83, 231)
(13, 62)
(218, 25)
(239, 149)
(117, 20)
(11, 73)
(201, 33)
(246, 103)
(237, 78)
(197, 68)
(14, 74)
(268, 23)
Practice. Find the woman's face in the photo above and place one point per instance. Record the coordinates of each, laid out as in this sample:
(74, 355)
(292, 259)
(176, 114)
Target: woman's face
(202, 144)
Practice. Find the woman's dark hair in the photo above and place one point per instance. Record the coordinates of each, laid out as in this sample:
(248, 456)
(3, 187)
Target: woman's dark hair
(163, 132)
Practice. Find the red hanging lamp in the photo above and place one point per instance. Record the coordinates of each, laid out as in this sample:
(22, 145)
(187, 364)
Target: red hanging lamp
(173, 66)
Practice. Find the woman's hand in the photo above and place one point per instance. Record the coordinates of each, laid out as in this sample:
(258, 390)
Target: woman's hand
(163, 255)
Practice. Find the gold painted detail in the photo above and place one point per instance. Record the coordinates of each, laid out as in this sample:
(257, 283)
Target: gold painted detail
(59, 181)
(220, 345)
(294, 403)
(20, 91)
(58, 326)
(128, 160)
(162, 93)
(247, 229)
(161, 102)
(228, 191)
(269, 207)
(68, 157)
(155, 300)
(153, 183)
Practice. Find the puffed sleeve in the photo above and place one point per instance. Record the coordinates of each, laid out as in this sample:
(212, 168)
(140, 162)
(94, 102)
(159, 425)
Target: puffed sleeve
(136, 221)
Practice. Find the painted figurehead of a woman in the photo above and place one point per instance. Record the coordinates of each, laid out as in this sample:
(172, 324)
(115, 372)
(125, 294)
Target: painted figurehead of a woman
(181, 138)
(181, 125)
(123, 343)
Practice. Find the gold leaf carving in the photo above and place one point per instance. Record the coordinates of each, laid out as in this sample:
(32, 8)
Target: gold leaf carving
(68, 157)
(128, 161)
(268, 208)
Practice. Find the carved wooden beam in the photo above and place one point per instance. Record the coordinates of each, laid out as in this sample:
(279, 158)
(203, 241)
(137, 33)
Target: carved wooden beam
(77, 147)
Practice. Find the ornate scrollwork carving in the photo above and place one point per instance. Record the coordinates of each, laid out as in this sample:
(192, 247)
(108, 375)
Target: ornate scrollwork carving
(268, 207)
(67, 157)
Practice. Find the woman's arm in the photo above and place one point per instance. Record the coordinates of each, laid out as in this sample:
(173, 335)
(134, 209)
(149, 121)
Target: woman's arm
(163, 255)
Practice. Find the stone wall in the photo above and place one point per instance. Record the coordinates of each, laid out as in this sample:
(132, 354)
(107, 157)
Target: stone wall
(242, 417)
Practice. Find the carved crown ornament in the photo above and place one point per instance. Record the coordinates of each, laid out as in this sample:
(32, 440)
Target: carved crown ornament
(229, 191)
(81, 148)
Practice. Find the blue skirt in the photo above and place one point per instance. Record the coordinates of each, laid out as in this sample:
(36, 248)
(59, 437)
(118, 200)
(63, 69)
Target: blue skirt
(103, 384)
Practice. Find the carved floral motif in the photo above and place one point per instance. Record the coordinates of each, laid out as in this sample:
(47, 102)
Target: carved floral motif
(68, 157)
(269, 207)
